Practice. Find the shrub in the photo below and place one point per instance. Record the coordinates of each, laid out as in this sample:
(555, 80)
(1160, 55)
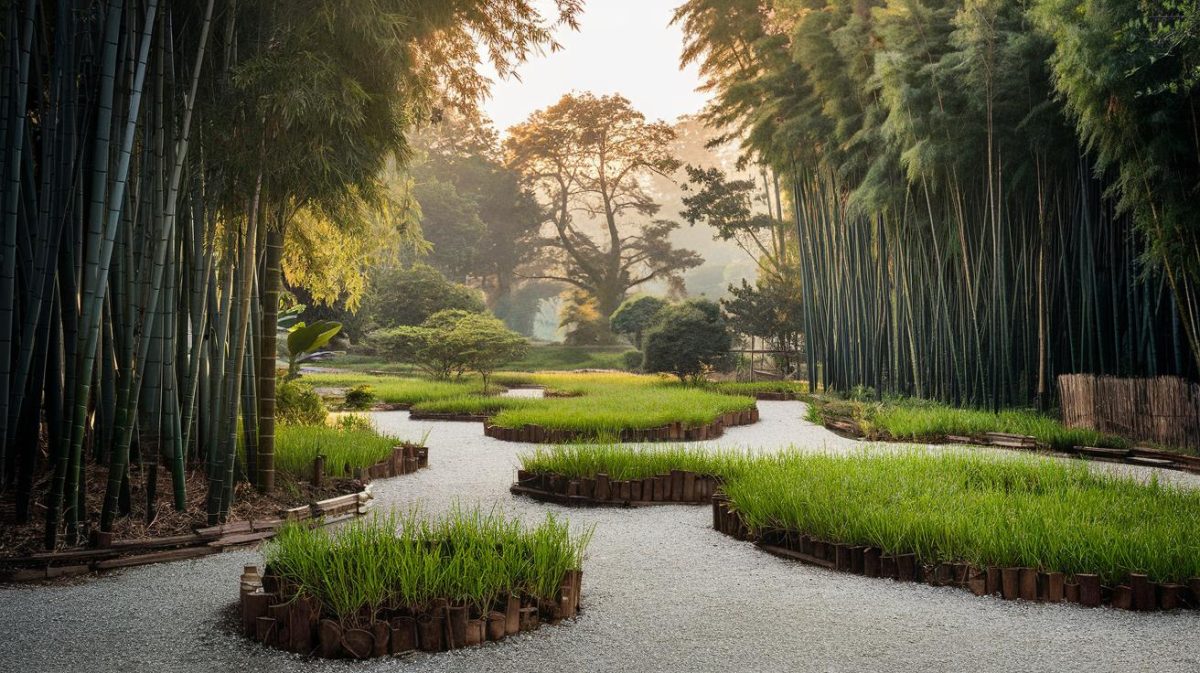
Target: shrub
(297, 403)
(453, 342)
(360, 397)
(636, 315)
(633, 360)
(688, 340)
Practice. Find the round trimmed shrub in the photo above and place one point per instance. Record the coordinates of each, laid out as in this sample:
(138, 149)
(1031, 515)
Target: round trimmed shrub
(689, 340)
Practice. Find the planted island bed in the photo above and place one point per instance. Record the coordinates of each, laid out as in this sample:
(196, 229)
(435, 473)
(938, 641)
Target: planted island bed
(914, 420)
(577, 406)
(1022, 526)
(397, 583)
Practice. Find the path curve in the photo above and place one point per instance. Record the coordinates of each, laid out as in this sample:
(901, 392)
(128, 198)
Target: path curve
(662, 592)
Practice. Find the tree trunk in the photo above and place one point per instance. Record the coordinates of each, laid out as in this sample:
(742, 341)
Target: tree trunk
(266, 365)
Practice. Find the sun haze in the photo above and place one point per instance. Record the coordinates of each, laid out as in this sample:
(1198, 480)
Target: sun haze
(622, 46)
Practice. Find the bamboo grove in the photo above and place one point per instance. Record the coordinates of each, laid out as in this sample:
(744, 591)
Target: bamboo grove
(155, 154)
(985, 193)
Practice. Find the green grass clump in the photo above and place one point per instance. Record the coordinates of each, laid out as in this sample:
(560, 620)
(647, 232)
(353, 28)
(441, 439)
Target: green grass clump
(346, 447)
(632, 462)
(944, 506)
(376, 566)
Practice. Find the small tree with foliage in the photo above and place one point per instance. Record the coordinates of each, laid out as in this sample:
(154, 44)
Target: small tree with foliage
(688, 340)
(486, 344)
(770, 310)
(451, 343)
(636, 315)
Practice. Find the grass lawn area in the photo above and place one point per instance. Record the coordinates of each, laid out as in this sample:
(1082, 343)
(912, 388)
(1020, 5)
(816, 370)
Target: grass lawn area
(944, 506)
(921, 420)
(599, 404)
(546, 357)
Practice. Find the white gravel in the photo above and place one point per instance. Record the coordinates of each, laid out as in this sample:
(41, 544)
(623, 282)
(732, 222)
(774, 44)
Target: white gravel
(662, 592)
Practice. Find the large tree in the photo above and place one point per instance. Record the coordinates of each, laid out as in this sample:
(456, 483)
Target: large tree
(587, 158)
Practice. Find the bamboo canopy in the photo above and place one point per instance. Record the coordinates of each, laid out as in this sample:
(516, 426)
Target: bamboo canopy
(153, 155)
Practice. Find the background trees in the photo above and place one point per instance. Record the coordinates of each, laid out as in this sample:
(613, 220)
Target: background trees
(586, 157)
(409, 295)
(953, 233)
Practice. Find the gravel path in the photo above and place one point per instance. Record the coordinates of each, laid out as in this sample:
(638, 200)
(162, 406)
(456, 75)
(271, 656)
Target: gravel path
(662, 592)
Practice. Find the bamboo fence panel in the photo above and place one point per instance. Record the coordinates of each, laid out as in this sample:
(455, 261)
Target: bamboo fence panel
(1164, 409)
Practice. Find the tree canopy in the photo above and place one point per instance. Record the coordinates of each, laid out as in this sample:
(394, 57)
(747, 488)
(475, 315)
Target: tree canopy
(586, 157)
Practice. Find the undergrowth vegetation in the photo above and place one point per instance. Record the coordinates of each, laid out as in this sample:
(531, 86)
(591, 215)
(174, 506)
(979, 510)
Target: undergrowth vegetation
(405, 561)
(941, 505)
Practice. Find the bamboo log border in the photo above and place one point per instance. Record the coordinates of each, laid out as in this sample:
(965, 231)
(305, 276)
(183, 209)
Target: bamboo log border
(277, 616)
(674, 432)
(1141, 456)
(679, 487)
(1030, 584)
(112, 554)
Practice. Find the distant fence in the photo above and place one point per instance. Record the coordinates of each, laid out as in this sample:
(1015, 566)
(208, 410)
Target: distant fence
(1165, 409)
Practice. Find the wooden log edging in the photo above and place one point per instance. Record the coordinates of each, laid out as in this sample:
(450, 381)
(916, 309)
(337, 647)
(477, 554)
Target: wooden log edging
(679, 487)
(108, 555)
(1140, 456)
(674, 432)
(276, 616)
(777, 396)
(445, 416)
(1031, 584)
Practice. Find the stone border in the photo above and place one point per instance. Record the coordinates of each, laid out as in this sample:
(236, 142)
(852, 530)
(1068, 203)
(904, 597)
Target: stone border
(1137, 593)
(679, 487)
(1144, 457)
(275, 616)
(113, 554)
(675, 432)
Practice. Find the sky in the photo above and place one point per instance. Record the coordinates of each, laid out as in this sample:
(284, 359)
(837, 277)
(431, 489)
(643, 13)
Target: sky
(623, 46)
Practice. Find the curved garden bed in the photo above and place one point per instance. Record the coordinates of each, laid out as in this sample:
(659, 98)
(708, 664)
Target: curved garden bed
(1026, 528)
(673, 432)
(1137, 592)
(577, 406)
(404, 584)
(930, 423)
